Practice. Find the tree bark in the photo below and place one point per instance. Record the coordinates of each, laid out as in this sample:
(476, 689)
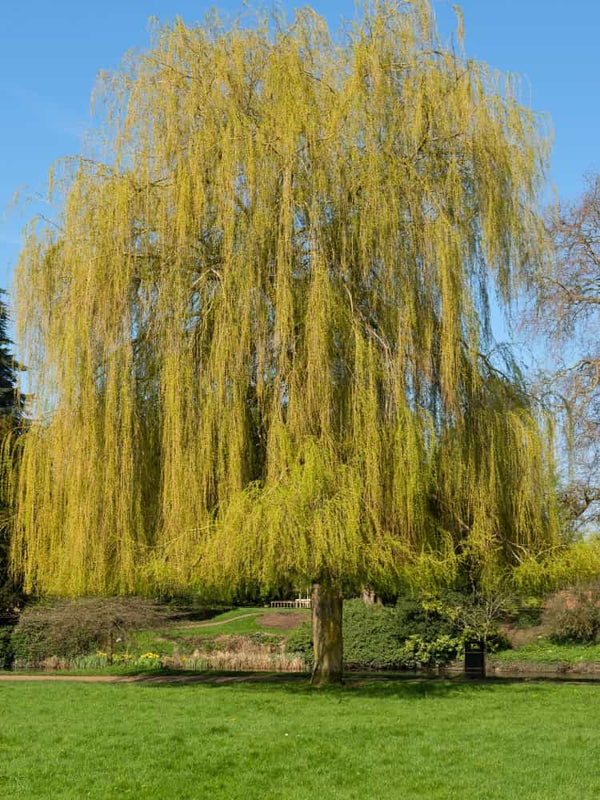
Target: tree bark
(327, 635)
(370, 598)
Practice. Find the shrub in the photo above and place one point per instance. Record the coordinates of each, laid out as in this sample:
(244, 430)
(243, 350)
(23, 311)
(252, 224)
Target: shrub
(6, 648)
(528, 617)
(371, 636)
(426, 618)
(11, 603)
(300, 642)
(380, 637)
(415, 633)
(476, 616)
(574, 615)
(69, 628)
(419, 652)
(429, 631)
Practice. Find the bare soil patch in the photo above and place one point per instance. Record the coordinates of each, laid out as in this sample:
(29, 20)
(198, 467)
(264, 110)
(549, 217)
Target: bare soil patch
(276, 619)
(201, 677)
(11, 676)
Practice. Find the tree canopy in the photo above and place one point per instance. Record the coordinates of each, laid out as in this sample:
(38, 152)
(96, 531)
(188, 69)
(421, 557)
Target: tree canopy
(565, 307)
(258, 333)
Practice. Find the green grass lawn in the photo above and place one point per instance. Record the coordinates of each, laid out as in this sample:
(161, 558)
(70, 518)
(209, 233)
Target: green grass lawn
(544, 651)
(239, 621)
(398, 740)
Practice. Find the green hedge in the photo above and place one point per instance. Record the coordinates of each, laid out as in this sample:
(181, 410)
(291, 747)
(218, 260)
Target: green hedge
(406, 636)
(371, 636)
(6, 648)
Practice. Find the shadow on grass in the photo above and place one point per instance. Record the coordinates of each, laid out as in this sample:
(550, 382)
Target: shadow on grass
(399, 685)
(403, 686)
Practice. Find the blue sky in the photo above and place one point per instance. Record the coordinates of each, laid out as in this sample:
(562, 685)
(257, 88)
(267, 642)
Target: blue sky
(51, 53)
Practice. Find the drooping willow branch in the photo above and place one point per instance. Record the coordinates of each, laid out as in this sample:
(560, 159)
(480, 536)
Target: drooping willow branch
(258, 332)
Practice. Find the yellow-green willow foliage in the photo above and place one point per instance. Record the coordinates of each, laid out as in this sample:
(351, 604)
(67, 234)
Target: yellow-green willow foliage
(256, 333)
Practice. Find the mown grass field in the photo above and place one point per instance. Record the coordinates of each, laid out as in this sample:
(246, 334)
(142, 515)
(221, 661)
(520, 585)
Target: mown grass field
(237, 621)
(400, 740)
(544, 651)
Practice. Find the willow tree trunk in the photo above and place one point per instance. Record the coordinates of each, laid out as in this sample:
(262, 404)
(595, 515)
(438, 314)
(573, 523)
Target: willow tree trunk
(327, 635)
(370, 598)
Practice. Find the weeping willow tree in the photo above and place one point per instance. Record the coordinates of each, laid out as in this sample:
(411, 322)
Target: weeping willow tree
(257, 330)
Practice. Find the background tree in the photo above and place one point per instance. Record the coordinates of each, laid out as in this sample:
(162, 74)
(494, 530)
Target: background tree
(12, 403)
(257, 332)
(566, 312)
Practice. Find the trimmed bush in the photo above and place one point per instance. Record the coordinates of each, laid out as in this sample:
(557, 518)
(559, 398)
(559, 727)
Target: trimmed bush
(371, 636)
(381, 637)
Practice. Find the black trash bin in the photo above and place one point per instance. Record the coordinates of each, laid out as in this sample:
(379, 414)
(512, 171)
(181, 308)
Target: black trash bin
(474, 659)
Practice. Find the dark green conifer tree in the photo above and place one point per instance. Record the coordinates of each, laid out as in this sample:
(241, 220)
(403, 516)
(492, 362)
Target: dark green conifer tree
(12, 403)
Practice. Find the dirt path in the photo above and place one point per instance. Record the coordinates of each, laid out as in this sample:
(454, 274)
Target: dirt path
(204, 677)
(79, 678)
(356, 680)
(273, 619)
